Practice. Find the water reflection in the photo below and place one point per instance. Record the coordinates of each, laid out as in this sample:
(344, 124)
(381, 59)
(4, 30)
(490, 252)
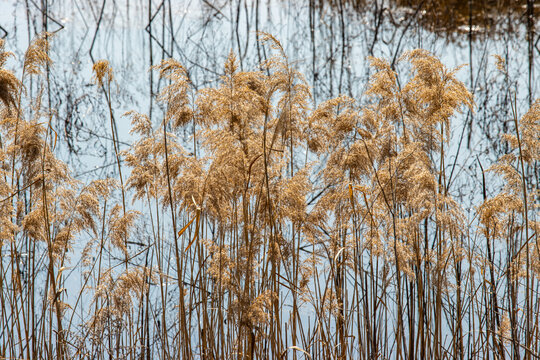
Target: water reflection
(328, 40)
(452, 18)
(448, 18)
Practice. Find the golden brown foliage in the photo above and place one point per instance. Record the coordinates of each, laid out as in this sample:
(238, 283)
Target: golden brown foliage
(283, 228)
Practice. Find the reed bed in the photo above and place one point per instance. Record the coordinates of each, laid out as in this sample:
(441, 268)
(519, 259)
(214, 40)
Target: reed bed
(290, 231)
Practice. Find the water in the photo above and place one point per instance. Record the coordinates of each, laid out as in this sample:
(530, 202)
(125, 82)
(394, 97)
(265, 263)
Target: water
(329, 41)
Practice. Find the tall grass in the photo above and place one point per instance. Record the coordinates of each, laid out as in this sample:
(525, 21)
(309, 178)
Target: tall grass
(288, 232)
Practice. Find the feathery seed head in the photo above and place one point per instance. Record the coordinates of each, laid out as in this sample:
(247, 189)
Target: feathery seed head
(37, 54)
(102, 73)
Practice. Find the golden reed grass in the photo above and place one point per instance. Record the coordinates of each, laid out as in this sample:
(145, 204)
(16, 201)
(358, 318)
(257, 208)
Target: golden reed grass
(288, 232)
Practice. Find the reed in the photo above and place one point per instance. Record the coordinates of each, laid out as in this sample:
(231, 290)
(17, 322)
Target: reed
(288, 231)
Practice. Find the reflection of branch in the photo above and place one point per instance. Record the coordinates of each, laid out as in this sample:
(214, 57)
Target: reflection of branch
(95, 169)
(216, 9)
(403, 34)
(378, 22)
(96, 32)
(105, 137)
(147, 29)
(46, 13)
(5, 32)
